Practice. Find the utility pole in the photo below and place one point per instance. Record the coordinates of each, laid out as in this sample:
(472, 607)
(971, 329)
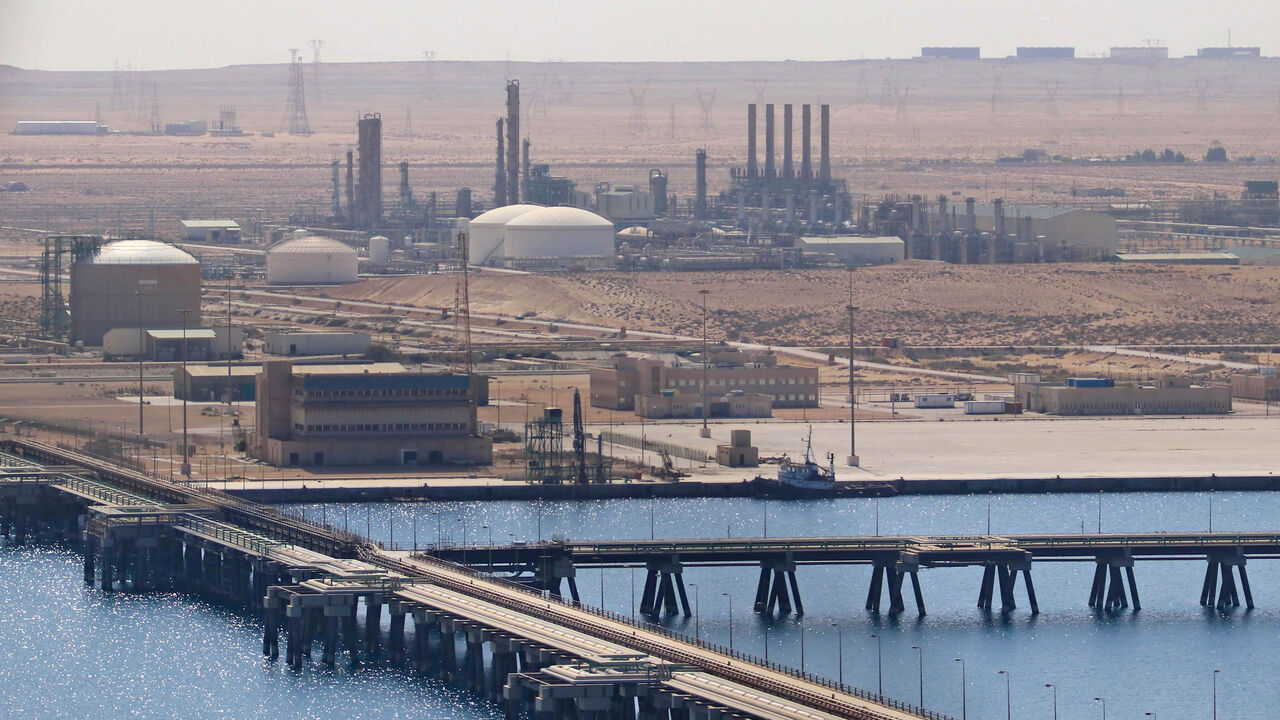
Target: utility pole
(853, 403)
(185, 468)
(706, 410)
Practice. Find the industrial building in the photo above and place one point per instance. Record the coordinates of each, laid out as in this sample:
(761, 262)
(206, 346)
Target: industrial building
(1180, 258)
(165, 344)
(211, 231)
(367, 418)
(1101, 396)
(1263, 385)
(951, 53)
(132, 284)
(624, 203)
(1145, 53)
(855, 251)
(631, 377)
(739, 452)
(1229, 53)
(671, 404)
(1046, 53)
(316, 343)
(209, 383)
(312, 260)
(59, 127)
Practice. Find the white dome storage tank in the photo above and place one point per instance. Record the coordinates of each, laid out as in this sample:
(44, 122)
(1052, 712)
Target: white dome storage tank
(559, 232)
(379, 249)
(312, 260)
(485, 239)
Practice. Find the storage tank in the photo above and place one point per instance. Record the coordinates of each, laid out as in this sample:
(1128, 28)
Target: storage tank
(485, 240)
(105, 287)
(312, 260)
(559, 232)
(379, 249)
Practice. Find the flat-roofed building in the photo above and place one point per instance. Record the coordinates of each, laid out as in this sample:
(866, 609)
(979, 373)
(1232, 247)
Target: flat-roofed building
(1263, 385)
(316, 343)
(358, 417)
(211, 231)
(671, 404)
(628, 377)
(855, 251)
(1169, 396)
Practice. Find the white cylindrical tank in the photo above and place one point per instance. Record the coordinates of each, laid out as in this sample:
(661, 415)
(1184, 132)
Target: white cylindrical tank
(485, 240)
(300, 233)
(312, 260)
(379, 249)
(559, 232)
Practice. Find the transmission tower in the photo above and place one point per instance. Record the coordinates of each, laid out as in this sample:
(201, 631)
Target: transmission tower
(117, 88)
(707, 102)
(1051, 88)
(408, 122)
(997, 92)
(900, 111)
(672, 121)
(154, 126)
(462, 307)
(1202, 95)
(1119, 101)
(295, 114)
(637, 106)
(315, 68)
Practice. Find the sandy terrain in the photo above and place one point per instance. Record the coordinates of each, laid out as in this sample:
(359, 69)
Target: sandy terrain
(919, 303)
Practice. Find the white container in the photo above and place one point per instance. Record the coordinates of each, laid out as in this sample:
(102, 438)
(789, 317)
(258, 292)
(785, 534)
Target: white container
(379, 249)
(984, 407)
(935, 401)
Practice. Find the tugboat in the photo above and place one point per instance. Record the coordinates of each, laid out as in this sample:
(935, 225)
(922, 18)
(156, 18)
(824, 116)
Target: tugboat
(803, 478)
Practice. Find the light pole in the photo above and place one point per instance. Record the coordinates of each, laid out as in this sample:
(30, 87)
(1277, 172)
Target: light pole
(486, 527)
(879, 663)
(964, 689)
(697, 628)
(920, 656)
(1104, 706)
(185, 468)
(853, 401)
(839, 650)
(706, 431)
(730, 619)
(801, 646)
(1008, 693)
(1215, 693)
(1055, 699)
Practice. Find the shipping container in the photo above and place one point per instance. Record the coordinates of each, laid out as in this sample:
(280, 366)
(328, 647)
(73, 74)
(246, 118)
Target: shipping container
(1090, 382)
(1013, 408)
(984, 407)
(935, 401)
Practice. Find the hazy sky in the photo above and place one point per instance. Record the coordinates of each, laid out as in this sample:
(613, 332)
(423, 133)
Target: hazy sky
(162, 34)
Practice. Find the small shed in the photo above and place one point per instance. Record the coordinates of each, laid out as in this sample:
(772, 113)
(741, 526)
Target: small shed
(211, 231)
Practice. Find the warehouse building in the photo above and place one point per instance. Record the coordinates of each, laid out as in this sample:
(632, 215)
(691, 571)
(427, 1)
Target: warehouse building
(1144, 53)
(1100, 396)
(631, 377)
(671, 404)
(209, 383)
(1229, 53)
(164, 344)
(1046, 53)
(352, 417)
(855, 251)
(950, 53)
(210, 231)
(59, 127)
(316, 343)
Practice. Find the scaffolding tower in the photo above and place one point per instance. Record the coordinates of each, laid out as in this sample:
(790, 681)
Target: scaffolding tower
(55, 318)
(544, 448)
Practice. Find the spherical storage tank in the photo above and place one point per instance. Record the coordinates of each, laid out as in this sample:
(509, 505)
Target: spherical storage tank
(559, 232)
(488, 229)
(312, 260)
(133, 283)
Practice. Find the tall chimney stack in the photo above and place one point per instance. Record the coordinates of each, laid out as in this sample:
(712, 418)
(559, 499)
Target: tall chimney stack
(787, 170)
(513, 141)
(337, 188)
(369, 185)
(751, 141)
(406, 193)
(769, 170)
(824, 166)
(806, 166)
(500, 176)
(524, 169)
(700, 204)
(351, 189)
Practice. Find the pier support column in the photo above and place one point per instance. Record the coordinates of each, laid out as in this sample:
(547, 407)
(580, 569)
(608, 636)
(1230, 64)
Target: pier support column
(395, 645)
(874, 592)
(421, 638)
(372, 623)
(986, 589)
(762, 590)
(293, 648)
(90, 555)
(271, 626)
(350, 630)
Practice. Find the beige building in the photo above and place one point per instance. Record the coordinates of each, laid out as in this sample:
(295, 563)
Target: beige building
(629, 377)
(131, 284)
(671, 404)
(1256, 386)
(1170, 396)
(367, 418)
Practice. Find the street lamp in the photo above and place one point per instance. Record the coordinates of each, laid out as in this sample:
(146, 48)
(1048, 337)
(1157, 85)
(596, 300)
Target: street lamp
(1008, 693)
(706, 431)
(920, 655)
(801, 646)
(1055, 699)
(853, 401)
(1104, 706)
(964, 701)
(185, 468)
(879, 661)
(697, 616)
(730, 619)
(1215, 693)
(840, 649)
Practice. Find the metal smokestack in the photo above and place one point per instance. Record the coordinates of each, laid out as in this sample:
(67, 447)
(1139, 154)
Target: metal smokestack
(337, 188)
(524, 172)
(700, 203)
(824, 166)
(351, 189)
(769, 170)
(406, 193)
(806, 166)
(513, 141)
(500, 176)
(369, 185)
(787, 170)
(751, 141)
